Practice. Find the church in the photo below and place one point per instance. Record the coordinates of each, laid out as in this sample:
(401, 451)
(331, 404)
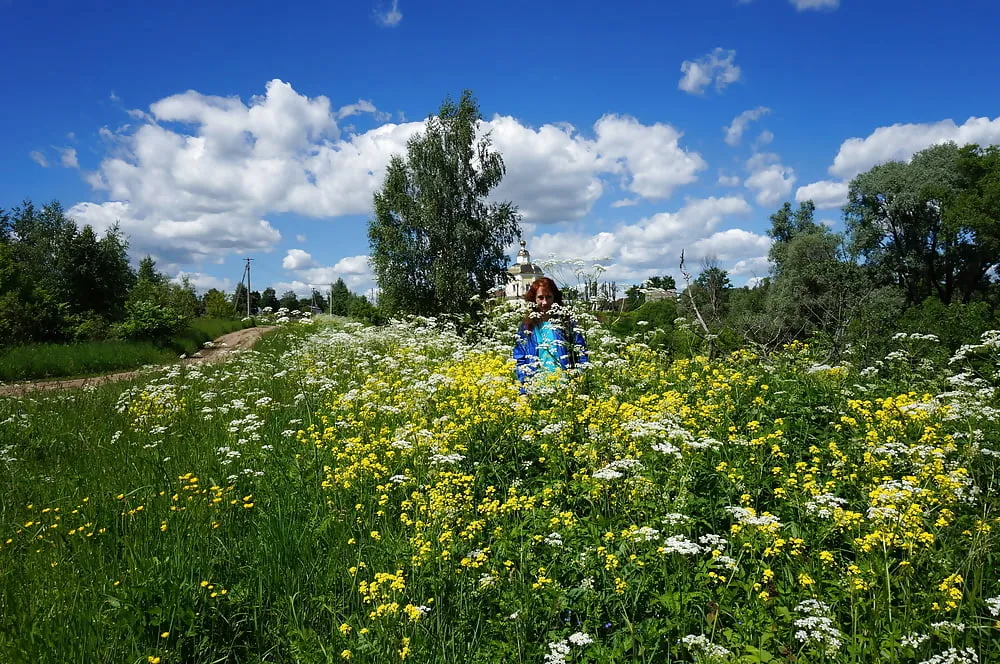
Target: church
(521, 274)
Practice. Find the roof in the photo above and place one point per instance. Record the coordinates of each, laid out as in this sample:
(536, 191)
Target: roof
(525, 268)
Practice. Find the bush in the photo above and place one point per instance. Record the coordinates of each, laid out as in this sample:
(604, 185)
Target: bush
(147, 321)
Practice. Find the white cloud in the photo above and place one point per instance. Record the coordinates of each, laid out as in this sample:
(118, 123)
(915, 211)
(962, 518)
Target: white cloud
(650, 157)
(758, 265)
(354, 270)
(902, 141)
(297, 259)
(731, 244)
(39, 158)
(763, 139)
(362, 106)
(67, 157)
(554, 173)
(803, 5)
(652, 243)
(717, 67)
(770, 180)
(197, 238)
(300, 238)
(113, 97)
(825, 194)
(729, 180)
(197, 177)
(391, 17)
(734, 132)
(203, 282)
(625, 202)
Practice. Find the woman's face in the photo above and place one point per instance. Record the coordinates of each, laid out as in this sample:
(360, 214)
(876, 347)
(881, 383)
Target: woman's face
(544, 299)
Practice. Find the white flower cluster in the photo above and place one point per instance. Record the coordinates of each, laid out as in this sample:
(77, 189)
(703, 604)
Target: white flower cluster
(645, 534)
(824, 504)
(442, 459)
(681, 545)
(816, 627)
(559, 650)
(700, 645)
(748, 518)
(914, 640)
(554, 539)
(993, 604)
(617, 469)
(954, 656)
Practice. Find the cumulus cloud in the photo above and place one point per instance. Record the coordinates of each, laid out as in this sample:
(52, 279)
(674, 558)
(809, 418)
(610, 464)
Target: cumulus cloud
(39, 158)
(717, 67)
(649, 156)
(653, 244)
(391, 17)
(825, 194)
(356, 272)
(769, 179)
(734, 132)
(198, 175)
(729, 180)
(555, 174)
(67, 157)
(901, 141)
(731, 244)
(757, 265)
(297, 259)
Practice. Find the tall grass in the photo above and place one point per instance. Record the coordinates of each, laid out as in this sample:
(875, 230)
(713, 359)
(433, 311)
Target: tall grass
(200, 330)
(387, 495)
(39, 361)
(79, 359)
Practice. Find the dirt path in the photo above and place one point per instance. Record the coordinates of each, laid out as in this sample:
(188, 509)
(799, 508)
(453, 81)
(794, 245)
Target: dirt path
(240, 339)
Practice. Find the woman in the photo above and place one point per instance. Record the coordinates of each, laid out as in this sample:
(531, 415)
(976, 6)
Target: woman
(547, 341)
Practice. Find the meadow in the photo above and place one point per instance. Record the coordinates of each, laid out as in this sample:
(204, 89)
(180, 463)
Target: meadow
(84, 358)
(348, 493)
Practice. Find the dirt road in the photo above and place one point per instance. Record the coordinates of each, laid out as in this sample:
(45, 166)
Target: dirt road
(240, 339)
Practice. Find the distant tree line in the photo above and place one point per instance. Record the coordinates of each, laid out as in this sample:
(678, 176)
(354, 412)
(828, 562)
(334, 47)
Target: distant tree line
(919, 253)
(64, 283)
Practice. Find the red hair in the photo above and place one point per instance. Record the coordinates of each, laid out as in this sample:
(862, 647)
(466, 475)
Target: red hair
(531, 321)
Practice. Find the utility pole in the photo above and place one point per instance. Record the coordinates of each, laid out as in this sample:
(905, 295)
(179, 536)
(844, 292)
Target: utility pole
(248, 286)
(245, 277)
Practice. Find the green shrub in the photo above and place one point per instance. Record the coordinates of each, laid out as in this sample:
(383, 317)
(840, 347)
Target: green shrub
(147, 321)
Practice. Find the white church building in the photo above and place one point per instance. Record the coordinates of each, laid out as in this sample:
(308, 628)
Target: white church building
(522, 273)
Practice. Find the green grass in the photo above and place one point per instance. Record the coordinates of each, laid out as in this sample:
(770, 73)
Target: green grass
(40, 361)
(79, 359)
(385, 495)
(200, 330)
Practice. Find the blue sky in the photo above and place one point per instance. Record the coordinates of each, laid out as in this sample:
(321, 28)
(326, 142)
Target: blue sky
(214, 131)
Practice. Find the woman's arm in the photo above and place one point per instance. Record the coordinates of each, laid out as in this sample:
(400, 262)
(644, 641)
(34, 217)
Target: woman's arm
(524, 355)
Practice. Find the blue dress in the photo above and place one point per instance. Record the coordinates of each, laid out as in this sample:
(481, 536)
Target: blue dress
(545, 349)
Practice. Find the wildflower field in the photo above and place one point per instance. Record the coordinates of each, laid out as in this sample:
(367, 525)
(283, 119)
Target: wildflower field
(344, 493)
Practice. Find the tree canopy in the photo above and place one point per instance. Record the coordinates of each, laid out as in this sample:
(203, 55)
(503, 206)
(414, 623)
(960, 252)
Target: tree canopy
(436, 242)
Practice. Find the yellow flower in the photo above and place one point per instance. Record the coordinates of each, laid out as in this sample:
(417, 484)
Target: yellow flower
(164, 635)
(345, 629)
(345, 654)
